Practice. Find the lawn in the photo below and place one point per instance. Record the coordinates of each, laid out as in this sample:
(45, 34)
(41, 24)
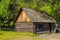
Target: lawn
(5, 35)
(11, 35)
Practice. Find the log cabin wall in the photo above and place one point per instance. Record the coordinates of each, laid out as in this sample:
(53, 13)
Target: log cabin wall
(24, 27)
(23, 23)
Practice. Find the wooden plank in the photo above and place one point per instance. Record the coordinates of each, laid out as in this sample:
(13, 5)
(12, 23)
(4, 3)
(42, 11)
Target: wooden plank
(23, 17)
(21, 27)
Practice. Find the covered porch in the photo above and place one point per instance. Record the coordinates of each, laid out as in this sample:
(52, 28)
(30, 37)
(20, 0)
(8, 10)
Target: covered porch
(44, 27)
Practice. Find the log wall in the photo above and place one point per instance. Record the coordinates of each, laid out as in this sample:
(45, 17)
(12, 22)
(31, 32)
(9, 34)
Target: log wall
(24, 27)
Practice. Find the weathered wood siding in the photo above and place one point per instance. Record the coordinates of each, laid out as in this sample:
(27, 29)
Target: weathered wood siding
(24, 27)
(23, 17)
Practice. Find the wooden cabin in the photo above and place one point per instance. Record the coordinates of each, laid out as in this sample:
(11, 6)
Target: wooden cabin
(28, 20)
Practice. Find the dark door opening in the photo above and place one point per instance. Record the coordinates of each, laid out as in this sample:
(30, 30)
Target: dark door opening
(42, 28)
(52, 27)
(39, 28)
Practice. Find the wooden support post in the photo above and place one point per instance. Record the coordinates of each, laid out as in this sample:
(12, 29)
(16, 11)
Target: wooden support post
(52, 29)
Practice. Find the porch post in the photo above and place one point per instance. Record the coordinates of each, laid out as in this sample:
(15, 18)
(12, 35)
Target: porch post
(52, 28)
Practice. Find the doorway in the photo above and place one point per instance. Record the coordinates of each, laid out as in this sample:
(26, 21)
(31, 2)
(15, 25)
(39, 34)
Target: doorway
(42, 28)
(39, 28)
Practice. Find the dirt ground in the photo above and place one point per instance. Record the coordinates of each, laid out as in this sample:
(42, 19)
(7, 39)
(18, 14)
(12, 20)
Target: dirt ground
(55, 36)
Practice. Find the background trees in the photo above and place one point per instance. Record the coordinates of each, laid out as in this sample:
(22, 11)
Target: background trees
(4, 12)
(9, 9)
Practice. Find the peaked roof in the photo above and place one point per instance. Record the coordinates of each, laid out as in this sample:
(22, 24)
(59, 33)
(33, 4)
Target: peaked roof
(36, 16)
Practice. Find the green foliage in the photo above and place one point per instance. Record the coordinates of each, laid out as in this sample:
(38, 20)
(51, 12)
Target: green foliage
(3, 11)
(9, 8)
(46, 9)
(3, 7)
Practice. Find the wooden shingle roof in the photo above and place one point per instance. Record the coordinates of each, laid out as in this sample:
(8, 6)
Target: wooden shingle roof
(37, 16)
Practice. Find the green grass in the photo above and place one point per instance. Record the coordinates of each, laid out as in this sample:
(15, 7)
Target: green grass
(9, 35)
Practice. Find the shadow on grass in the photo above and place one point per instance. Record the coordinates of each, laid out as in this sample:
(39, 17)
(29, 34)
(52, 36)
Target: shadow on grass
(1, 34)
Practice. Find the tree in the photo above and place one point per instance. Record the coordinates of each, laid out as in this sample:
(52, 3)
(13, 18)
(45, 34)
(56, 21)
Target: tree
(3, 12)
(12, 8)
